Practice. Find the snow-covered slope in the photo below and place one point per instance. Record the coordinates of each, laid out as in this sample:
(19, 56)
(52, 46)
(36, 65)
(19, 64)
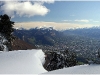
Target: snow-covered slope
(83, 69)
(22, 62)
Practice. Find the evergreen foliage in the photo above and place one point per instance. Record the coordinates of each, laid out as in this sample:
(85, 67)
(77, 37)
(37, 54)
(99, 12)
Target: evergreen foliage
(6, 26)
(6, 29)
(60, 60)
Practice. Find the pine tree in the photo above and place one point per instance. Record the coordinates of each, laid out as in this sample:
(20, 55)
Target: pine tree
(6, 28)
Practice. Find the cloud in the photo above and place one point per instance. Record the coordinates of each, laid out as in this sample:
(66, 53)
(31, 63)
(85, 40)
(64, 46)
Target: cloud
(66, 20)
(45, 1)
(55, 25)
(1, 3)
(82, 21)
(25, 8)
(95, 21)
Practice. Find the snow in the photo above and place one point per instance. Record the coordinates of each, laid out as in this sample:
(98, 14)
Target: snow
(22, 62)
(82, 69)
(3, 40)
(31, 62)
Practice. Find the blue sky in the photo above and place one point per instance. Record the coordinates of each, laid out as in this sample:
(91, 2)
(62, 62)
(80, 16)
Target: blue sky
(58, 13)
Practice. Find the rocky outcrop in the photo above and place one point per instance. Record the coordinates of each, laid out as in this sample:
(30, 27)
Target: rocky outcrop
(59, 59)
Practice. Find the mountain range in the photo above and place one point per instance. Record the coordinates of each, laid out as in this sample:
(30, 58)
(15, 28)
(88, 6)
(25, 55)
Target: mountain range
(84, 42)
(38, 36)
(50, 36)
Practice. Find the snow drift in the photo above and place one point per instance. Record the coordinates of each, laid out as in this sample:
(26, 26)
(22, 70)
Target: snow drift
(22, 62)
(83, 69)
(31, 62)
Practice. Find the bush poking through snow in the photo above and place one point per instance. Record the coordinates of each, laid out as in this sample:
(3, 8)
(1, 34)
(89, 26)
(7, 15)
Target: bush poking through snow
(3, 43)
(58, 60)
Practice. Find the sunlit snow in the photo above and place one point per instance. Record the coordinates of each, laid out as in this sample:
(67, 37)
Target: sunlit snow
(83, 69)
(22, 62)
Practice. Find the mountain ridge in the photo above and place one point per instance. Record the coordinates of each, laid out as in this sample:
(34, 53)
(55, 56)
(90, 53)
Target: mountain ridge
(19, 44)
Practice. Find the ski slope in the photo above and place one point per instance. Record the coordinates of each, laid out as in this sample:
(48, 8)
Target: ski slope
(22, 62)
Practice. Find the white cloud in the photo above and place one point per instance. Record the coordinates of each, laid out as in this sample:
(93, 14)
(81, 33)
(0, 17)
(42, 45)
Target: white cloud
(25, 8)
(66, 20)
(95, 21)
(58, 26)
(82, 21)
(1, 3)
(45, 1)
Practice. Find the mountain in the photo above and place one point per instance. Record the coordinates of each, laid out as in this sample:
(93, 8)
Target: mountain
(84, 42)
(50, 36)
(38, 36)
(84, 32)
(19, 44)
